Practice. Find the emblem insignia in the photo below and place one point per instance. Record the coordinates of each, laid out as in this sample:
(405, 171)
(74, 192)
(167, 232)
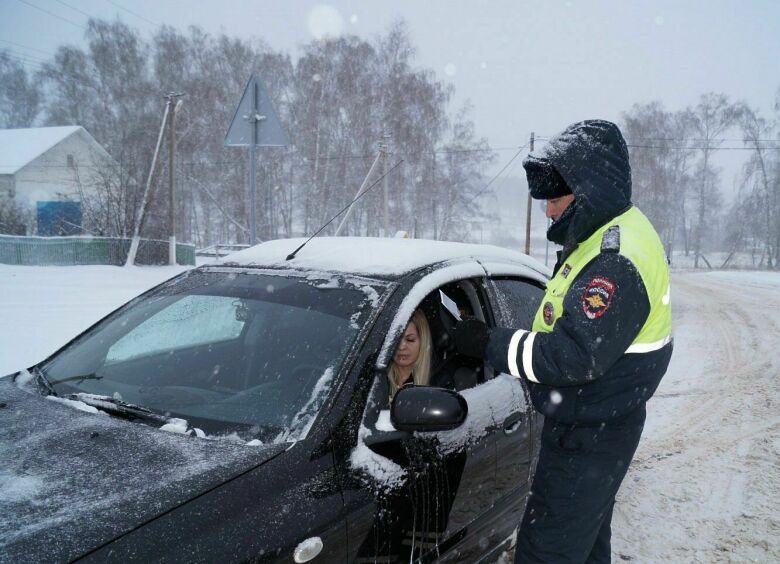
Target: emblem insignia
(566, 270)
(597, 297)
(548, 312)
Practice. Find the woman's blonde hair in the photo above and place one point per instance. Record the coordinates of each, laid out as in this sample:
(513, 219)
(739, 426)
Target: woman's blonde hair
(421, 371)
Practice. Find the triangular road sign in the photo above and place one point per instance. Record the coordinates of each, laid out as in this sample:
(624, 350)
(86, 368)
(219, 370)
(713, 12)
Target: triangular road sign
(255, 121)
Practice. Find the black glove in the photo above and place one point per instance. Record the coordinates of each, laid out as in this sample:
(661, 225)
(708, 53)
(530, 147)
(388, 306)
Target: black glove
(471, 337)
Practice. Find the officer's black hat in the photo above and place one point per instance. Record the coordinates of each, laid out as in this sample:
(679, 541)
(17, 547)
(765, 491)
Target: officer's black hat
(544, 182)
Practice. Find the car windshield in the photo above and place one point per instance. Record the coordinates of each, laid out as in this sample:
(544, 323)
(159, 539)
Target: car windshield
(238, 353)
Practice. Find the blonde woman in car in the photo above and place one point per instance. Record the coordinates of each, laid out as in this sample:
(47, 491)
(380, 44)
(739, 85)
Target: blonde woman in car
(412, 359)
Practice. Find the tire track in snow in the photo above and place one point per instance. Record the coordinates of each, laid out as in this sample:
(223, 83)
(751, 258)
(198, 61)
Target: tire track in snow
(705, 480)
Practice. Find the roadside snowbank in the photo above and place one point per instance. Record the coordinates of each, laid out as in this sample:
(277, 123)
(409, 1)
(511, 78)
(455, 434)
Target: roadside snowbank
(43, 307)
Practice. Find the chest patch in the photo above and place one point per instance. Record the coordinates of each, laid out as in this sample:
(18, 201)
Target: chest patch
(566, 270)
(548, 312)
(597, 297)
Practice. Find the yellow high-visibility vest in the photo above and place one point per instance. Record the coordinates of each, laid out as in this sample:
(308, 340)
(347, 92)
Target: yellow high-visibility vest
(639, 243)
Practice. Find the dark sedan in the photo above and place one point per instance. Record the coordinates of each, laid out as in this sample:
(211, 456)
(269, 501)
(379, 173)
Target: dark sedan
(241, 412)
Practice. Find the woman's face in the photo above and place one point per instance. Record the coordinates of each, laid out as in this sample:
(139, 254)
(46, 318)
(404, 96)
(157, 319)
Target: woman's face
(409, 349)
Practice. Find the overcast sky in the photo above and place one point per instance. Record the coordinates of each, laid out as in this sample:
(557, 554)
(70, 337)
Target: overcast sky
(526, 66)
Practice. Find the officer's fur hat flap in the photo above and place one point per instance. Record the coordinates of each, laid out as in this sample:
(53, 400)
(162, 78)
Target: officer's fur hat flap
(544, 182)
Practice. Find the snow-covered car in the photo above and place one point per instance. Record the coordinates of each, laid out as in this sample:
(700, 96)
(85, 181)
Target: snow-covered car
(240, 412)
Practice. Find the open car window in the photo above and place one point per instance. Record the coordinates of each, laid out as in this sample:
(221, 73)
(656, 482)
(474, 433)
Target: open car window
(516, 301)
(447, 368)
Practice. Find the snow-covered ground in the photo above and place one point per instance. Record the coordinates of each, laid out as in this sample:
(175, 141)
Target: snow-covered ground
(43, 307)
(705, 483)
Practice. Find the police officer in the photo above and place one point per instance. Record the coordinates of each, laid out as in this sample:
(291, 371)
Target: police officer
(599, 344)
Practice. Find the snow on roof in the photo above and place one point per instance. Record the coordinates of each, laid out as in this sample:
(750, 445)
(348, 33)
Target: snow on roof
(370, 255)
(18, 147)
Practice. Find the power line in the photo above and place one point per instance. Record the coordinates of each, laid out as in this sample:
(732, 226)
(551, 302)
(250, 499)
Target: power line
(19, 55)
(139, 16)
(25, 60)
(520, 150)
(633, 143)
(310, 162)
(712, 148)
(52, 14)
(73, 8)
(26, 47)
(679, 139)
(484, 189)
(694, 139)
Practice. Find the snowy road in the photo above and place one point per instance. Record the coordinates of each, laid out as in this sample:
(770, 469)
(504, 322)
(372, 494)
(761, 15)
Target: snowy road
(705, 483)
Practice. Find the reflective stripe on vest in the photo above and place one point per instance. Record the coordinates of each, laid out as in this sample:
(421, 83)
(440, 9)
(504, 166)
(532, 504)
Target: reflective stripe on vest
(640, 244)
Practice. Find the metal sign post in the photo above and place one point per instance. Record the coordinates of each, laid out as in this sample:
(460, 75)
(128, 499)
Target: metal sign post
(255, 124)
(528, 209)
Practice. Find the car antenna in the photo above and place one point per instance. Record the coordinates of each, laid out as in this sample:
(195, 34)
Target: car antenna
(363, 193)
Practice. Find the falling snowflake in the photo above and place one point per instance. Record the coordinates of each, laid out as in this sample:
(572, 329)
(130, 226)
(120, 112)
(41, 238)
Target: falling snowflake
(325, 22)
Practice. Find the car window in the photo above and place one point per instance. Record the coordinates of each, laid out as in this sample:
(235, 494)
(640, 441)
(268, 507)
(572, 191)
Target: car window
(517, 301)
(251, 354)
(447, 368)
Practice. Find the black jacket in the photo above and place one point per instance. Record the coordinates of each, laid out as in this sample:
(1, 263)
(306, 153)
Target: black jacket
(583, 374)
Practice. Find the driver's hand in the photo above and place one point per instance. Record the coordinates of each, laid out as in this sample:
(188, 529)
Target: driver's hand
(471, 337)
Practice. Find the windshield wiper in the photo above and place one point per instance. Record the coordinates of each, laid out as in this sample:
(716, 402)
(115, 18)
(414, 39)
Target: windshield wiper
(81, 378)
(43, 382)
(119, 407)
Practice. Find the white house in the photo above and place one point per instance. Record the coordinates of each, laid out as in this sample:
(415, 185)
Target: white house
(45, 171)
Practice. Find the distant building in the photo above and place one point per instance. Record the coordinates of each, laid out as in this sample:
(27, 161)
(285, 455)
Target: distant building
(46, 171)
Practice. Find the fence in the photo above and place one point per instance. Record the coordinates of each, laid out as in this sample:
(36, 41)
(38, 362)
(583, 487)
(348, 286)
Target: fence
(67, 251)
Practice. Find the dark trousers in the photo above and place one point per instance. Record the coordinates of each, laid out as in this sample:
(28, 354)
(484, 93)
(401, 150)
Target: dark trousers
(569, 509)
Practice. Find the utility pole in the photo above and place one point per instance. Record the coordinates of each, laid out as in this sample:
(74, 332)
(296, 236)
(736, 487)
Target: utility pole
(147, 197)
(254, 119)
(528, 209)
(173, 108)
(383, 147)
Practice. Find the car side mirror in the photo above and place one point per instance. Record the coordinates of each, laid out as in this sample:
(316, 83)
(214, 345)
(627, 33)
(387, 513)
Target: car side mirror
(427, 408)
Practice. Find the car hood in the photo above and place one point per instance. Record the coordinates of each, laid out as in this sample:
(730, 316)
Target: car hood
(71, 481)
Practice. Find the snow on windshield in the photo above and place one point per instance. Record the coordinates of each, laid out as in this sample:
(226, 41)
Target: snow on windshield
(303, 420)
(237, 356)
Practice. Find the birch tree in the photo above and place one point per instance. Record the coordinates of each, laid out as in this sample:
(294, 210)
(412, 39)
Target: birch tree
(711, 117)
(20, 96)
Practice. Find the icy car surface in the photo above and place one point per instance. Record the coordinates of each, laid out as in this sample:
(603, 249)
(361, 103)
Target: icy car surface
(240, 411)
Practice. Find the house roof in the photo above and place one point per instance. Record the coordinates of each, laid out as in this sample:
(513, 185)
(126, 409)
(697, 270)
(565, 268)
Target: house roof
(19, 147)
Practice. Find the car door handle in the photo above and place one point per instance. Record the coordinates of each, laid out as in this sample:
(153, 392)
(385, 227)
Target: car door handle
(513, 423)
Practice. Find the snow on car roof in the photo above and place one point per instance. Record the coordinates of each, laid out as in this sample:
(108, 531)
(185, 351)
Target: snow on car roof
(371, 255)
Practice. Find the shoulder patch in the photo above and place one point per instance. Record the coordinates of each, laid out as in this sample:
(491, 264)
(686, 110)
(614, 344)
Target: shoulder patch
(597, 297)
(610, 241)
